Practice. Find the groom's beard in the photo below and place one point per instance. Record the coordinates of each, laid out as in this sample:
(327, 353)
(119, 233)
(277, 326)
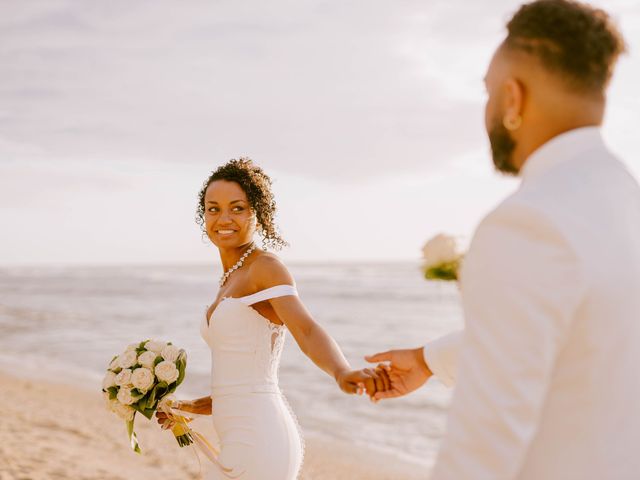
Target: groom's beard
(502, 147)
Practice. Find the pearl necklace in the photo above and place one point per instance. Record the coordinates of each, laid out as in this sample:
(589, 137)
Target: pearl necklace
(238, 264)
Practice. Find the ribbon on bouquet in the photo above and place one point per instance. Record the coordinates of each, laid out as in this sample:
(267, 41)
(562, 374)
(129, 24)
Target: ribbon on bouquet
(186, 435)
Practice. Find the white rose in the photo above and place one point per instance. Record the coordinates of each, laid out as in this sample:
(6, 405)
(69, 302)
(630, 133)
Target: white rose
(142, 379)
(147, 359)
(132, 347)
(170, 353)
(439, 250)
(167, 372)
(109, 380)
(155, 346)
(127, 359)
(123, 378)
(125, 397)
(124, 411)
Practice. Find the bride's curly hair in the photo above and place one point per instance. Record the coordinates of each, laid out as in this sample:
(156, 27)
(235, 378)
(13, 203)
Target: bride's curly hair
(257, 186)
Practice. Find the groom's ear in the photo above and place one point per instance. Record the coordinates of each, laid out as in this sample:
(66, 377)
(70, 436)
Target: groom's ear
(514, 93)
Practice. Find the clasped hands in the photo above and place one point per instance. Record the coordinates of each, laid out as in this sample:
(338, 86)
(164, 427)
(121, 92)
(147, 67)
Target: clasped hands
(398, 373)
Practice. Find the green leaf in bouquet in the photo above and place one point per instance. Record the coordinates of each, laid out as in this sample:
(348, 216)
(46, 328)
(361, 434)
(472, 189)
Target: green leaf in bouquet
(113, 392)
(161, 389)
(141, 404)
(181, 364)
(158, 360)
(136, 393)
(144, 409)
(151, 397)
(148, 412)
(152, 403)
(140, 348)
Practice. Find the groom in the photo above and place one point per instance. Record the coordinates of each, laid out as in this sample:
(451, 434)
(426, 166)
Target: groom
(548, 374)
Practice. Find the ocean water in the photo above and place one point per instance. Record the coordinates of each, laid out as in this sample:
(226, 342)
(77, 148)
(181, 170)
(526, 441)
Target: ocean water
(65, 324)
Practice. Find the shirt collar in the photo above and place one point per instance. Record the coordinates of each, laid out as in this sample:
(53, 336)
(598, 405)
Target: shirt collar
(562, 147)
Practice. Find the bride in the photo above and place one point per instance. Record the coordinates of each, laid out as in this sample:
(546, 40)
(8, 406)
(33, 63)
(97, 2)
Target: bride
(245, 328)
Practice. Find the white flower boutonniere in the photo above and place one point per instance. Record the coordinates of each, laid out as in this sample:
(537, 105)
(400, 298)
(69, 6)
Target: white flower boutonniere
(442, 258)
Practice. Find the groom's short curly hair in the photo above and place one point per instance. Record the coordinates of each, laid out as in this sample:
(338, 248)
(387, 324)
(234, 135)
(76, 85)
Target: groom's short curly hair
(575, 40)
(256, 184)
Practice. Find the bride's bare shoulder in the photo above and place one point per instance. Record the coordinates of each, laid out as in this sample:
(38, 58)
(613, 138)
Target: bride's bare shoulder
(268, 270)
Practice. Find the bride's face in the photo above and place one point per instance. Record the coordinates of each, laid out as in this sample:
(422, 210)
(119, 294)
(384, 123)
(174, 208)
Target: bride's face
(229, 218)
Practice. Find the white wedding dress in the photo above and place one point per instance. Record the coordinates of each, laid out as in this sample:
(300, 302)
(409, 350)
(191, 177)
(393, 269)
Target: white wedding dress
(259, 436)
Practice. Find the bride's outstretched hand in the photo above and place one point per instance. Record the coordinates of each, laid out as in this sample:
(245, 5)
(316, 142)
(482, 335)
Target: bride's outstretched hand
(407, 371)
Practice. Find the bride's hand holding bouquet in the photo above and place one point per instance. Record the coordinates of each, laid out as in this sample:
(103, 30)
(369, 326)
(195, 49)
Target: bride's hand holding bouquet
(199, 406)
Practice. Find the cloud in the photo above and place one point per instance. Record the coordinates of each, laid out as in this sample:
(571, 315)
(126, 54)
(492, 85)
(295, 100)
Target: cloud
(339, 90)
(313, 88)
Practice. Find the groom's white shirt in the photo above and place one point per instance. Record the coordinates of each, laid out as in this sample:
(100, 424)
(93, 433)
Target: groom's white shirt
(549, 367)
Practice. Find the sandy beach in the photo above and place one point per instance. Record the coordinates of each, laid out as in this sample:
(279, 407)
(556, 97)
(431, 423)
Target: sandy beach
(53, 431)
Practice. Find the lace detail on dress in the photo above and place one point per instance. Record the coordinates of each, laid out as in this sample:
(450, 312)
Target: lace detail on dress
(303, 445)
(277, 346)
(277, 335)
(269, 349)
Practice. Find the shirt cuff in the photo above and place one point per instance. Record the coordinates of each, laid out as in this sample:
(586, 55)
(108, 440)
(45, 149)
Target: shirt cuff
(441, 356)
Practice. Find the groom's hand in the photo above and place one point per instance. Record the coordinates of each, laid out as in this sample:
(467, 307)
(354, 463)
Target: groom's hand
(407, 371)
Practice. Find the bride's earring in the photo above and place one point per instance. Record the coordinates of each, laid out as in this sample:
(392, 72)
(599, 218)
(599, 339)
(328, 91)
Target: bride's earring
(512, 123)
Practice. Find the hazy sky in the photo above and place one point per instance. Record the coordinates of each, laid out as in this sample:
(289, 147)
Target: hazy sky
(368, 116)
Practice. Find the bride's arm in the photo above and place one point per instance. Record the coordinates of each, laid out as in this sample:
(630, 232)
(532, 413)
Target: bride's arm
(200, 406)
(312, 339)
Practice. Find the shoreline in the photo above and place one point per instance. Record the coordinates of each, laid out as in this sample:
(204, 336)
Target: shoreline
(60, 431)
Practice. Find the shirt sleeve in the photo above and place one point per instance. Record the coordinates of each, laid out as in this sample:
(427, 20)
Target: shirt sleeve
(521, 284)
(441, 356)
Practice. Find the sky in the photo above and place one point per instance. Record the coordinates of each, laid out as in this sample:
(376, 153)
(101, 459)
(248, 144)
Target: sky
(367, 115)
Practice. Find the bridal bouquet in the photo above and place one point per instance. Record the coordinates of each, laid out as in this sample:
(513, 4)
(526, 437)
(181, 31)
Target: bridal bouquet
(141, 379)
(442, 258)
